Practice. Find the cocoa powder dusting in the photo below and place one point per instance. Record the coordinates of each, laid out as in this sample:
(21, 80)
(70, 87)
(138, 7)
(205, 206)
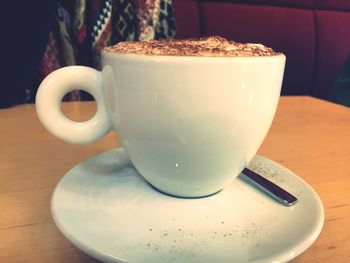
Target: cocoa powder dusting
(214, 46)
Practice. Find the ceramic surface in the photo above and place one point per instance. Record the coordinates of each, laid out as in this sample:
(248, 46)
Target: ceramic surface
(188, 123)
(108, 210)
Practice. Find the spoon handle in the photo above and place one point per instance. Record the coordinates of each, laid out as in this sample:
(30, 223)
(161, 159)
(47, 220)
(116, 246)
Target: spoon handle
(268, 187)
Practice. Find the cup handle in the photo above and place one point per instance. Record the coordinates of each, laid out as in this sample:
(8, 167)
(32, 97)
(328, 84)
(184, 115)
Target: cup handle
(48, 104)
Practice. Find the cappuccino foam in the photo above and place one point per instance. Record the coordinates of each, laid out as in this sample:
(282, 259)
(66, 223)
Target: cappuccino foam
(214, 46)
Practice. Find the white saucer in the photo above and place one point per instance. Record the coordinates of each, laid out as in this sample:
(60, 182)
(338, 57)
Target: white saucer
(106, 209)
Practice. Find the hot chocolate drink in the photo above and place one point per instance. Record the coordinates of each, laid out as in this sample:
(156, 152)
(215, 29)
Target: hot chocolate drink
(205, 47)
(190, 114)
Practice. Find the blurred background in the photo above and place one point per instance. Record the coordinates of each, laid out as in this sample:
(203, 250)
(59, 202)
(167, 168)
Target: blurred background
(41, 36)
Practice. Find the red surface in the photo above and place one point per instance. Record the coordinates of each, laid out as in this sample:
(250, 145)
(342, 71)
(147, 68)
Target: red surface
(290, 31)
(289, 3)
(316, 42)
(334, 47)
(187, 19)
(342, 5)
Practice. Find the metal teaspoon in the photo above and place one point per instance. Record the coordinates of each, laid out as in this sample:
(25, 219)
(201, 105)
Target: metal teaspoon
(268, 187)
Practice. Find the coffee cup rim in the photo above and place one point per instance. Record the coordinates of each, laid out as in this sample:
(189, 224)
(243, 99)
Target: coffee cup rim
(189, 58)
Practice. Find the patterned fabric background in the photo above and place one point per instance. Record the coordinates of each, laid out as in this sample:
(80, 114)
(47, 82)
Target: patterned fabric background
(82, 28)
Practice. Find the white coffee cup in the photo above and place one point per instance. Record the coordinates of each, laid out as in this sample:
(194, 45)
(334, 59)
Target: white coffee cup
(188, 124)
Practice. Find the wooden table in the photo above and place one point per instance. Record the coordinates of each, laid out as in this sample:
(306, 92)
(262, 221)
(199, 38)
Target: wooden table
(309, 136)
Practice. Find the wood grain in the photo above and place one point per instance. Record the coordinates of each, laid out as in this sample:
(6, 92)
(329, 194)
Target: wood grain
(309, 136)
